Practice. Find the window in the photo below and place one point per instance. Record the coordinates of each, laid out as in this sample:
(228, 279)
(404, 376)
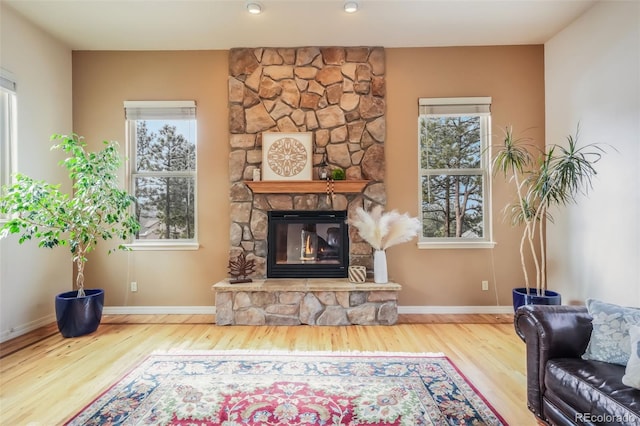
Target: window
(454, 172)
(162, 154)
(8, 126)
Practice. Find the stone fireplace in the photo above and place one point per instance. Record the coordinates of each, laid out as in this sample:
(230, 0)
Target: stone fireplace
(337, 94)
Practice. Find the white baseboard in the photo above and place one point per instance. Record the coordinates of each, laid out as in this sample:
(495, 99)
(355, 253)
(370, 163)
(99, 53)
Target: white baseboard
(210, 310)
(159, 310)
(455, 309)
(25, 328)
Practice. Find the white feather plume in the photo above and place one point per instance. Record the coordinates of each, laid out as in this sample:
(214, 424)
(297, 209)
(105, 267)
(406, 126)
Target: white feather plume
(383, 230)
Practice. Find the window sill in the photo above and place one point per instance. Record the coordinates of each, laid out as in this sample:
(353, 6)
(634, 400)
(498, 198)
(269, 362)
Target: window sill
(456, 245)
(158, 246)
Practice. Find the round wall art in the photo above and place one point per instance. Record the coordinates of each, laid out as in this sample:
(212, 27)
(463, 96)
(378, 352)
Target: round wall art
(287, 156)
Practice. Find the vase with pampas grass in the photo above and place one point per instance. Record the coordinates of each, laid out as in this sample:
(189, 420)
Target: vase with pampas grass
(383, 230)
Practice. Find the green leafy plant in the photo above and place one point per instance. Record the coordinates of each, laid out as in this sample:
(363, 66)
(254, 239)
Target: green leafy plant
(338, 174)
(96, 209)
(542, 180)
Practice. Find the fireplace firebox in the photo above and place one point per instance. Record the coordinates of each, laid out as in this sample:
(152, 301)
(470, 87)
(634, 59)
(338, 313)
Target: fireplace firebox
(307, 244)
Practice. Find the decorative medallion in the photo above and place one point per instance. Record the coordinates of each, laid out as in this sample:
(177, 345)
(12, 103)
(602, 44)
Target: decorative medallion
(287, 156)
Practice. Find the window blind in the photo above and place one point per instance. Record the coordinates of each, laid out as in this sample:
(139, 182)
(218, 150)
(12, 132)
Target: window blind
(6, 81)
(448, 106)
(160, 110)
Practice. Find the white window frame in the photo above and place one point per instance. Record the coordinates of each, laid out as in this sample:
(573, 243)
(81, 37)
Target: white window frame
(170, 110)
(8, 129)
(467, 106)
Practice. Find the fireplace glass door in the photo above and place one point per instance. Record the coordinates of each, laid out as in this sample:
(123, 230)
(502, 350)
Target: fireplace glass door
(307, 244)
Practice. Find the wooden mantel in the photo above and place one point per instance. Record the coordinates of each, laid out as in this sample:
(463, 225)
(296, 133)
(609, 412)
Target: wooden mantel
(306, 186)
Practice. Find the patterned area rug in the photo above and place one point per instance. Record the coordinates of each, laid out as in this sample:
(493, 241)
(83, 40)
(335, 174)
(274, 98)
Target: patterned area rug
(291, 388)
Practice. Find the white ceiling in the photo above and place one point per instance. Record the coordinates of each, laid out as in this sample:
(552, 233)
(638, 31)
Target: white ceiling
(223, 24)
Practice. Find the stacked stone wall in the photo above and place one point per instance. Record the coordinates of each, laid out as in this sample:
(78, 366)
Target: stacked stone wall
(291, 307)
(339, 95)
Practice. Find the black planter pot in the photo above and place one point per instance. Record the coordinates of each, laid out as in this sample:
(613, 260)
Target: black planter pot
(78, 316)
(520, 297)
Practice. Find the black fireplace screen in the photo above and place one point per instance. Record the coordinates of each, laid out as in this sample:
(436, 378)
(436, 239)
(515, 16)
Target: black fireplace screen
(307, 244)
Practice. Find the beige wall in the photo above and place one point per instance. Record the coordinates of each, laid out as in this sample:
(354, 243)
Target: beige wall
(102, 81)
(513, 76)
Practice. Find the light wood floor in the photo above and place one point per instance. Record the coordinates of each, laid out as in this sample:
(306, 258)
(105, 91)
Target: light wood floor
(45, 379)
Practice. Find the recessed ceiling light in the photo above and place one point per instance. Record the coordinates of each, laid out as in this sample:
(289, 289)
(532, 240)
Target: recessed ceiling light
(254, 8)
(351, 6)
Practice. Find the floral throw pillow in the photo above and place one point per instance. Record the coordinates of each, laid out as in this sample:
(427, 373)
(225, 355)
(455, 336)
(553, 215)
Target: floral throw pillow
(632, 373)
(610, 337)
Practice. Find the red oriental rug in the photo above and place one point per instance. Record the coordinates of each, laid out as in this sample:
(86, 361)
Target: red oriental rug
(291, 388)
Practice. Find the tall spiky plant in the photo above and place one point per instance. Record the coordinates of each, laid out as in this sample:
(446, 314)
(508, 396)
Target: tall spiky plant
(553, 177)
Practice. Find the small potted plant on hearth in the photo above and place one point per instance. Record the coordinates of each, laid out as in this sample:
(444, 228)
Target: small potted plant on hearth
(549, 179)
(96, 209)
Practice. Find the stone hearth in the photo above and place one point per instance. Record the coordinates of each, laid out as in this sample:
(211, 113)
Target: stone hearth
(318, 301)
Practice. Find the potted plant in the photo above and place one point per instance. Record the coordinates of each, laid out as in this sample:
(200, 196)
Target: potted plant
(96, 209)
(542, 180)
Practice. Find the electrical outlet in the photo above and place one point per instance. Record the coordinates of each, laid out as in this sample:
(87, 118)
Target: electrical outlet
(485, 285)
(134, 286)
